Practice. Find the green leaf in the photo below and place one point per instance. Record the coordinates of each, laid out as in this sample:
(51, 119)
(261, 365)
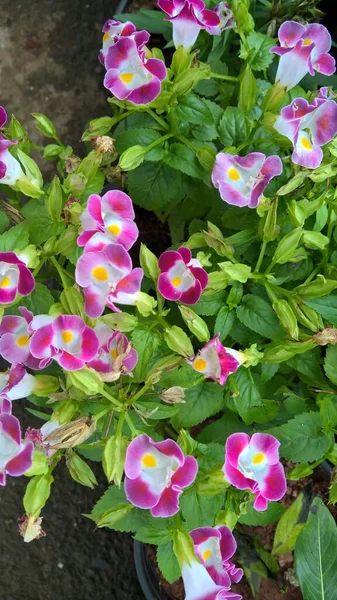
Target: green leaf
(168, 563)
(302, 438)
(67, 244)
(145, 342)
(4, 221)
(200, 511)
(330, 363)
(326, 306)
(259, 56)
(222, 428)
(114, 497)
(16, 238)
(201, 402)
(41, 226)
(194, 109)
(210, 305)
(135, 136)
(153, 185)
(315, 554)
(151, 20)
(257, 314)
(290, 525)
(224, 322)
(154, 531)
(308, 365)
(272, 514)
(233, 127)
(94, 186)
(39, 301)
(184, 159)
(247, 399)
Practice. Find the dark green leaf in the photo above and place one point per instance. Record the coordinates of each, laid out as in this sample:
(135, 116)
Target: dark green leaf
(326, 306)
(330, 363)
(253, 517)
(154, 185)
(257, 314)
(302, 438)
(135, 136)
(220, 430)
(224, 322)
(200, 511)
(4, 221)
(184, 159)
(233, 126)
(210, 305)
(201, 402)
(145, 342)
(39, 301)
(194, 109)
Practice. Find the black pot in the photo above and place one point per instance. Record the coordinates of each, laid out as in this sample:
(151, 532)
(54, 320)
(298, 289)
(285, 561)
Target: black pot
(147, 575)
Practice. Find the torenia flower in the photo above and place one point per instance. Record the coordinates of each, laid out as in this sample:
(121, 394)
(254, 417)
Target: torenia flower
(115, 353)
(156, 473)
(15, 335)
(182, 277)
(66, 339)
(216, 362)
(10, 169)
(107, 277)
(188, 17)
(199, 585)
(15, 278)
(303, 49)
(106, 220)
(225, 14)
(112, 31)
(241, 180)
(214, 546)
(130, 76)
(15, 383)
(309, 126)
(253, 464)
(15, 454)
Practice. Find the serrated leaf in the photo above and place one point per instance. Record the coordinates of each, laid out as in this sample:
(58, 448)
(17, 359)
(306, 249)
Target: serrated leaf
(302, 438)
(15, 238)
(210, 305)
(257, 314)
(259, 56)
(200, 511)
(168, 563)
(145, 342)
(184, 159)
(201, 402)
(233, 126)
(154, 185)
(326, 306)
(135, 136)
(290, 525)
(224, 322)
(41, 226)
(272, 514)
(194, 109)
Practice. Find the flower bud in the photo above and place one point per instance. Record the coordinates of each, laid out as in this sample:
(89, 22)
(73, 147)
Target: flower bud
(50, 246)
(183, 546)
(121, 321)
(76, 183)
(315, 240)
(114, 458)
(103, 144)
(98, 127)
(173, 395)
(30, 256)
(16, 130)
(71, 164)
(285, 351)
(242, 17)
(54, 200)
(71, 434)
(186, 442)
(87, 380)
(89, 165)
(327, 336)
(286, 317)
(39, 465)
(181, 60)
(45, 385)
(235, 295)
(79, 470)
(131, 158)
(114, 514)
(206, 157)
(196, 324)
(196, 240)
(37, 494)
(316, 289)
(52, 151)
(214, 239)
(178, 341)
(72, 301)
(287, 246)
(270, 229)
(149, 263)
(293, 183)
(307, 316)
(237, 271)
(248, 90)
(146, 304)
(273, 99)
(43, 124)
(66, 410)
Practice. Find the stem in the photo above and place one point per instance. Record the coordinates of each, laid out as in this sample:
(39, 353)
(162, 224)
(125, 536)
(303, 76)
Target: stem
(187, 143)
(159, 120)
(131, 425)
(261, 255)
(252, 141)
(59, 270)
(111, 398)
(120, 424)
(138, 394)
(101, 414)
(224, 77)
(160, 141)
(270, 292)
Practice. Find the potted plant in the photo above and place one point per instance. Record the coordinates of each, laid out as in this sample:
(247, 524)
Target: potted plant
(204, 378)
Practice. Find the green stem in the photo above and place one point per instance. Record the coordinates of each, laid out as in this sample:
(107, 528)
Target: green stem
(187, 143)
(101, 414)
(252, 141)
(271, 266)
(270, 292)
(120, 424)
(224, 77)
(261, 256)
(138, 394)
(131, 425)
(111, 399)
(282, 291)
(39, 267)
(159, 120)
(59, 270)
(159, 141)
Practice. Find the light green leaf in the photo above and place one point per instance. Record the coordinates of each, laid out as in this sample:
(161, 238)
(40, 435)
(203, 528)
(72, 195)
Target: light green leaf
(200, 511)
(201, 402)
(168, 563)
(145, 342)
(39, 301)
(290, 525)
(257, 314)
(259, 56)
(114, 497)
(302, 438)
(41, 226)
(15, 238)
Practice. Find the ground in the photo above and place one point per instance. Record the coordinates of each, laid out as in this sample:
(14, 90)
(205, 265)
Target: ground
(48, 64)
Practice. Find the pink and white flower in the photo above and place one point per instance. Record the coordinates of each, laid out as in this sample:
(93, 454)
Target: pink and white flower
(303, 49)
(309, 126)
(10, 169)
(253, 464)
(65, 339)
(15, 335)
(216, 362)
(15, 278)
(15, 454)
(241, 180)
(199, 585)
(225, 14)
(130, 76)
(188, 17)
(112, 31)
(214, 546)
(38, 437)
(113, 345)
(107, 278)
(156, 473)
(182, 277)
(106, 220)
(15, 383)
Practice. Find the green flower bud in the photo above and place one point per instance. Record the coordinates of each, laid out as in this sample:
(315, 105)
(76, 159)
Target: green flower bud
(206, 157)
(51, 151)
(315, 240)
(76, 183)
(113, 515)
(132, 157)
(54, 200)
(16, 130)
(286, 317)
(30, 256)
(273, 99)
(285, 351)
(66, 410)
(37, 494)
(149, 263)
(248, 90)
(183, 547)
(40, 464)
(214, 239)
(43, 124)
(45, 385)
(237, 272)
(146, 304)
(98, 127)
(196, 240)
(87, 380)
(271, 229)
(181, 60)
(316, 289)
(79, 470)
(28, 188)
(121, 321)
(287, 246)
(307, 316)
(196, 324)
(90, 164)
(235, 295)
(178, 341)
(72, 301)
(114, 458)
(50, 246)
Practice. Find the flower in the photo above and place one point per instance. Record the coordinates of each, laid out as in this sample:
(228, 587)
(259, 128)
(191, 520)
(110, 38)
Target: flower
(38, 436)
(199, 585)
(309, 126)
(10, 169)
(130, 76)
(182, 277)
(106, 220)
(225, 14)
(155, 473)
(112, 31)
(188, 18)
(31, 528)
(115, 353)
(15, 454)
(303, 49)
(242, 179)
(15, 277)
(216, 362)
(15, 335)
(14, 384)
(66, 339)
(253, 464)
(107, 277)
(214, 546)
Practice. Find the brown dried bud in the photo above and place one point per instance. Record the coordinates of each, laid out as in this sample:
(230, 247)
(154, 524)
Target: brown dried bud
(103, 144)
(71, 434)
(173, 395)
(30, 528)
(71, 164)
(327, 336)
(113, 174)
(118, 367)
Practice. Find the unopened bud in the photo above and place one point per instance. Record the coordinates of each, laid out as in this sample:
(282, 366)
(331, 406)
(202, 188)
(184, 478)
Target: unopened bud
(114, 514)
(178, 341)
(43, 124)
(79, 470)
(286, 317)
(146, 304)
(98, 127)
(237, 272)
(30, 528)
(214, 239)
(173, 395)
(315, 240)
(131, 158)
(114, 458)
(274, 98)
(86, 380)
(103, 144)
(124, 322)
(196, 324)
(54, 200)
(45, 385)
(183, 547)
(76, 183)
(149, 263)
(66, 410)
(327, 336)
(89, 165)
(37, 494)
(72, 301)
(316, 289)
(71, 164)
(248, 90)
(206, 157)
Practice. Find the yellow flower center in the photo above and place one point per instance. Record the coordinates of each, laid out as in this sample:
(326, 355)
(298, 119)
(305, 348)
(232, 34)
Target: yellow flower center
(149, 461)
(114, 229)
(113, 353)
(5, 283)
(100, 273)
(233, 174)
(22, 341)
(306, 144)
(258, 458)
(127, 77)
(200, 364)
(176, 281)
(67, 336)
(307, 42)
(106, 36)
(206, 554)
